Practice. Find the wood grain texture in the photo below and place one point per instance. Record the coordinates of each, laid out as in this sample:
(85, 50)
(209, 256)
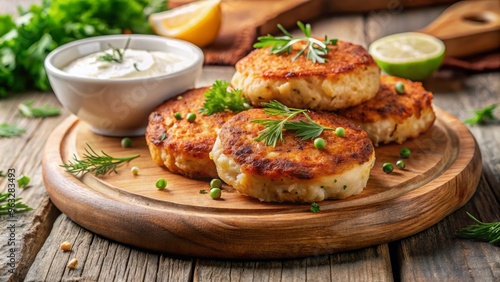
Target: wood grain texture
(442, 175)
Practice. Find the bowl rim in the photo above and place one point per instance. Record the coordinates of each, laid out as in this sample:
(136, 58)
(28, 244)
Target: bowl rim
(51, 69)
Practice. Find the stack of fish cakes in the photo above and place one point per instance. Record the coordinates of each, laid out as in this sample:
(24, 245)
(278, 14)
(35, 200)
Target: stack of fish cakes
(346, 91)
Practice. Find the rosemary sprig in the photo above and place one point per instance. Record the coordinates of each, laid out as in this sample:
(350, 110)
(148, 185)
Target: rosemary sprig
(5, 204)
(482, 115)
(483, 231)
(273, 131)
(10, 130)
(116, 54)
(93, 162)
(314, 48)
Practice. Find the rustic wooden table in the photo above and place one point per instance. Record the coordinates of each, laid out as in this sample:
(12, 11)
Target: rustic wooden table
(434, 254)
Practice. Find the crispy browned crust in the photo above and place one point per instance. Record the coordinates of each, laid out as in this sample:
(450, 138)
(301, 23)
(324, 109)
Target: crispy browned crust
(294, 158)
(388, 103)
(194, 140)
(344, 57)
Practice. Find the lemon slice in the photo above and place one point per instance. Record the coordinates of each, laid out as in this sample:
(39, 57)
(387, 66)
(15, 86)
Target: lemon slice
(410, 55)
(197, 22)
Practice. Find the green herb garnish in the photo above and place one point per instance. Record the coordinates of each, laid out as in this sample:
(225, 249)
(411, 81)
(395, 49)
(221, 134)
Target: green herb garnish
(6, 201)
(315, 207)
(23, 181)
(27, 109)
(116, 54)
(488, 232)
(10, 130)
(93, 162)
(315, 48)
(219, 99)
(482, 115)
(274, 127)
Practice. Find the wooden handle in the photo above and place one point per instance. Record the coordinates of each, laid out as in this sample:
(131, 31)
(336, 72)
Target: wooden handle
(468, 27)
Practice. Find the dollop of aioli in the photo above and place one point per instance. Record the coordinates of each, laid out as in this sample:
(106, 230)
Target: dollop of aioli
(136, 63)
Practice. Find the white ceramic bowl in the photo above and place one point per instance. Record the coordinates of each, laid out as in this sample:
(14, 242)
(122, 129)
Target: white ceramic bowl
(119, 107)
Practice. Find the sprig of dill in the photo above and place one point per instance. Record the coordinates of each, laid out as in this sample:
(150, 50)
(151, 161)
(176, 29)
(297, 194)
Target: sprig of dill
(273, 131)
(6, 205)
(314, 48)
(116, 54)
(10, 130)
(93, 162)
(483, 231)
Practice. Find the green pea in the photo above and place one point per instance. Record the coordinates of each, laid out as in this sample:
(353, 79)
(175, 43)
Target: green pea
(400, 87)
(177, 116)
(387, 168)
(340, 131)
(191, 117)
(215, 193)
(161, 183)
(401, 164)
(126, 142)
(134, 170)
(405, 153)
(319, 143)
(215, 183)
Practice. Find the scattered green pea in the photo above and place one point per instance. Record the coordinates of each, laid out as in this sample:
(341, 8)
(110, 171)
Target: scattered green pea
(215, 183)
(387, 168)
(134, 170)
(405, 152)
(177, 116)
(319, 143)
(400, 87)
(401, 164)
(340, 131)
(191, 117)
(215, 193)
(126, 142)
(161, 183)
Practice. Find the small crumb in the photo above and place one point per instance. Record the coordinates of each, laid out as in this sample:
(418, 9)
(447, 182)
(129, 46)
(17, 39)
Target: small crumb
(65, 246)
(73, 263)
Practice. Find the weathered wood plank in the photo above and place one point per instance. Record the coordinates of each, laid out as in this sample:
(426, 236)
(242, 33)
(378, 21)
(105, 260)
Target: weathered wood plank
(23, 154)
(102, 260)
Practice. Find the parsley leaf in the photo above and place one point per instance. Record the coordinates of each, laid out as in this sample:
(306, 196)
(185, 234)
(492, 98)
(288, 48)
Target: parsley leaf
(23, 181)
(315, 207)
(219, 99)
(482, 115)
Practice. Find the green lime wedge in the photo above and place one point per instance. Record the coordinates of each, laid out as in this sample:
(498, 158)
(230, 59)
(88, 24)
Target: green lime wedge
(410, 55)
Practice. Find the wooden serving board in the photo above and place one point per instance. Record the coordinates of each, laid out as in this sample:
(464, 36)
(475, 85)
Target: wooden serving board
(442, 174)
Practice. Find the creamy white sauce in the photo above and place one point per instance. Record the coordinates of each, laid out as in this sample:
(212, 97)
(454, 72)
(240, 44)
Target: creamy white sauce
(136, 63)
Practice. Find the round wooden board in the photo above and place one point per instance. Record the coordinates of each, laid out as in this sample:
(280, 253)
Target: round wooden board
(442, 174)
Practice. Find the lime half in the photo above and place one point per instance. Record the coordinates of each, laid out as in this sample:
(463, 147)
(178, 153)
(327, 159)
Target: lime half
(410, 55)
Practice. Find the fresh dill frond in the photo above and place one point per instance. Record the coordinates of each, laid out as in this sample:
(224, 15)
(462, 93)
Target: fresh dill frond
(93, 162)
(314, 49)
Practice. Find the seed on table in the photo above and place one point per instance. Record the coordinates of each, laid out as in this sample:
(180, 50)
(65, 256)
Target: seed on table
(65, 246)
(73, 263)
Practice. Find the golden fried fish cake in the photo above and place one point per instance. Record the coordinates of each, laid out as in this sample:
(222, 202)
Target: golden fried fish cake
(393, 117)
(294, 170)
(181, 146)
(349, 77)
